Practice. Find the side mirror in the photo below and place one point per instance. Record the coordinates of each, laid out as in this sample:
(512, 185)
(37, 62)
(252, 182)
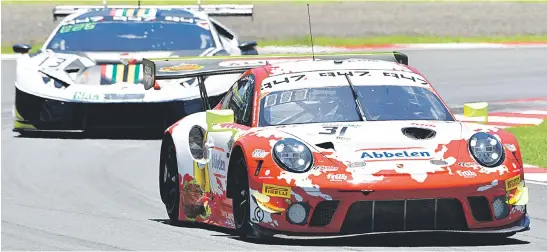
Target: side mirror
(21, 48)
(218, 116)
(248, 48)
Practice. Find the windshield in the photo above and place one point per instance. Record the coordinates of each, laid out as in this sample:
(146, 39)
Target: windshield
(131, 36)
(337, 104)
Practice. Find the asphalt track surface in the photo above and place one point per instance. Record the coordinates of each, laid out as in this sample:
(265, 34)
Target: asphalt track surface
(100, 194)
(22, 23)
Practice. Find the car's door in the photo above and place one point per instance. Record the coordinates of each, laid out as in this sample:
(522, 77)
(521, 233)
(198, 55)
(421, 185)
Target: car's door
(218, 145)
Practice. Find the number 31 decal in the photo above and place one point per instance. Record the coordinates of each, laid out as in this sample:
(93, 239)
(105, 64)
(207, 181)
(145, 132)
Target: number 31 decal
(334, 130)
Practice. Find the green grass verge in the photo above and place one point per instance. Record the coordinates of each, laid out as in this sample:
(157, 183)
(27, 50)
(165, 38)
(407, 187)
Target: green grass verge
(533, 143)
(330, 41)
(333, 41)
(179, 2)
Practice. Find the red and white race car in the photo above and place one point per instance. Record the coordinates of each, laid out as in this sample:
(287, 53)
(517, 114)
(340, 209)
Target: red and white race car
(335, 145)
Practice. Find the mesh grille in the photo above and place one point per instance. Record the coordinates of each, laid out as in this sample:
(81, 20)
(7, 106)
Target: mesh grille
(480, 208)
(404, 215)
(323, 213)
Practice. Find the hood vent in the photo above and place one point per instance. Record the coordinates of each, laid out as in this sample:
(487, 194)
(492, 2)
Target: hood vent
(325, 145)
(419, 133)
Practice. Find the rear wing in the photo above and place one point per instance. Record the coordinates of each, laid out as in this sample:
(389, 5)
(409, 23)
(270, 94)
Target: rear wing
(192, 67)
(210, 9)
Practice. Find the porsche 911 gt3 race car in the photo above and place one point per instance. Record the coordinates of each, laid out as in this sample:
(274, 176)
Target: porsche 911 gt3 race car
(88, 74)
(342, 145)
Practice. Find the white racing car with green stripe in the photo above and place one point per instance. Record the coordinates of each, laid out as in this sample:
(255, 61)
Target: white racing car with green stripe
(88, 74)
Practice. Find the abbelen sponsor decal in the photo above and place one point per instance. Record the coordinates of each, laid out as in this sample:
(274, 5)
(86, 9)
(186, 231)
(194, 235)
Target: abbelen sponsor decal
(337, 177)
(394, 154)
(218, 163)
(467, 174)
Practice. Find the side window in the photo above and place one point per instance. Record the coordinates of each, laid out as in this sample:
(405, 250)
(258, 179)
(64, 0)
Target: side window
(241, 100)
(227, 99)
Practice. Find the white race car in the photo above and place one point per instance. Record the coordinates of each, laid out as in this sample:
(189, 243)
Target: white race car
(88, 74)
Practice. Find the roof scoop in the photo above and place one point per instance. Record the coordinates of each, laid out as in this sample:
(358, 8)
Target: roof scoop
(419, 133)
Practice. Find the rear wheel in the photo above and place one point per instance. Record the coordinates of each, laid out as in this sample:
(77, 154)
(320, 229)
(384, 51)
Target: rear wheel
(169, 180)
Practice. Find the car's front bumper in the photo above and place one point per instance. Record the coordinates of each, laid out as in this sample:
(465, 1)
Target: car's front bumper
(333, 212)
(33, 113)
(519, 226)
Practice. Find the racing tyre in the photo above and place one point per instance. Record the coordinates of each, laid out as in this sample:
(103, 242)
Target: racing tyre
(241, 200)
(169, 180)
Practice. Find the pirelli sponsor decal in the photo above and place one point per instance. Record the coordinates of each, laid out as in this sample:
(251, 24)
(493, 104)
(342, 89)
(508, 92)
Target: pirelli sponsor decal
(276, 191)
(512, 183)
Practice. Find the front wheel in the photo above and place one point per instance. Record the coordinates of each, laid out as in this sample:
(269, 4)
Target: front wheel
(241, 199)
(169, 180)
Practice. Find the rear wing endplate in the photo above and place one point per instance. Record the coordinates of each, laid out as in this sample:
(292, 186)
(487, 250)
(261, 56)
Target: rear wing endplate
(210, 9)
(191, 67)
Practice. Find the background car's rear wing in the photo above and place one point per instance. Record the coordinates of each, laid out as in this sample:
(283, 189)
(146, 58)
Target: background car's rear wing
(211, 9)
(189, 67)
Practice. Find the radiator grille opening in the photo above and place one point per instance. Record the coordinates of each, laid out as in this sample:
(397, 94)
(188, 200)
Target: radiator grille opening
(323, 213)
(480, 208)
(404, 215)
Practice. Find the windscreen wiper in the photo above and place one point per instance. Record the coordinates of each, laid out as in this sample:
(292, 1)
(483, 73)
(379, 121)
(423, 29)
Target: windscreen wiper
(358, 106)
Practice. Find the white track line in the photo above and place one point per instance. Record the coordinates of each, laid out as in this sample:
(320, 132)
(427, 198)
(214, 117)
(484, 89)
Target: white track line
(536, 183)
(501, 119)
(536, 176)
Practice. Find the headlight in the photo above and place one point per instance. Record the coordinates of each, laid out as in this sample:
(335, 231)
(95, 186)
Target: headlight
(292, 155)
(486, 149)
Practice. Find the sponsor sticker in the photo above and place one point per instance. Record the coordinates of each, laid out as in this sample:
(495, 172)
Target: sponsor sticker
(181, 67)
(468, 164)
(438, 162)
(395, 154)
(337, 177)
(512, 183)
(511, 147)
(326, 168)
(239, 63)
(85, 96)
(259, 153)
(123, 96)
(467, 174)
(258, 215)
(276, 191)
(148, 79)
(356, 164)
(218, 163)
